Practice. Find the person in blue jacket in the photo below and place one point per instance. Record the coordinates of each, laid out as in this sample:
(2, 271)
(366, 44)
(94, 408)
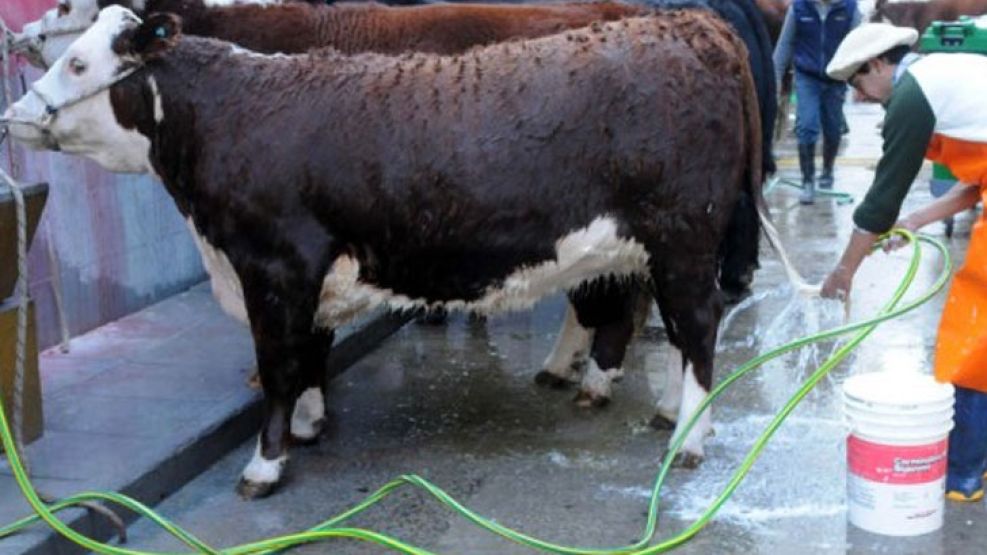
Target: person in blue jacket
(812, 31)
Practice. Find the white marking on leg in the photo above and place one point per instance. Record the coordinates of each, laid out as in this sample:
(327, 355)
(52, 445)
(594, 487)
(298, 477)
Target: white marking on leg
(671, 395)
(264, 471)
(692, 395)
(597, 383)
(571, 346)
(310, 409)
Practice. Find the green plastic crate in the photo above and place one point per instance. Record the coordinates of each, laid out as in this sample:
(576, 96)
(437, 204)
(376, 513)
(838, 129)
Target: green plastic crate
(965, 35)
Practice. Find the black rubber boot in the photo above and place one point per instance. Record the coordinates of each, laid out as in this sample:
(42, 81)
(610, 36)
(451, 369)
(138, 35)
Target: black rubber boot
(829, 159)
(807, 163)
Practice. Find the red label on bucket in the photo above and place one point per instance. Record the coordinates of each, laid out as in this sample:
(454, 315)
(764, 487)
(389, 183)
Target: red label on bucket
(896, 464)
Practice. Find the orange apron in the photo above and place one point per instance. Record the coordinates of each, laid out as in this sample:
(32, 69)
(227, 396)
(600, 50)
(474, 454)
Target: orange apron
(961, 347)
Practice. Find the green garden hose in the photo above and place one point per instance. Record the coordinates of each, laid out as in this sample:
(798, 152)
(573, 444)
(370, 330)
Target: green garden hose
(329, 529)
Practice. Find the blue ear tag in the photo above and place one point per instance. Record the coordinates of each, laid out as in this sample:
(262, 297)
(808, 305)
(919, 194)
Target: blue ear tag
(160, 32)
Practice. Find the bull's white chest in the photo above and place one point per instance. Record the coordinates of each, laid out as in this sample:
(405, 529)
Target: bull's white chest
(584, 255)
(225, 282)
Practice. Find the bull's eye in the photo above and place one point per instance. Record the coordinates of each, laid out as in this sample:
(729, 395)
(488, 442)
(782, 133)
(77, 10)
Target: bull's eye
(77, 66)
(64, 8)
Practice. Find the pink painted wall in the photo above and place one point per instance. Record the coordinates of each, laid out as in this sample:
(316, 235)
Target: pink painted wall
(119, 242)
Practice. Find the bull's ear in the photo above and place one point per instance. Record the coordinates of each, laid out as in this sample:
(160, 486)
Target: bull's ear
(158, 33)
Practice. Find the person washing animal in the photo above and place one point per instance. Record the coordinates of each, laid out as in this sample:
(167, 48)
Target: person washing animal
(811, 32)
(934, 109)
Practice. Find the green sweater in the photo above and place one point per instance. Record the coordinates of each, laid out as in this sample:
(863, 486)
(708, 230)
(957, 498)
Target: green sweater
(908, 127)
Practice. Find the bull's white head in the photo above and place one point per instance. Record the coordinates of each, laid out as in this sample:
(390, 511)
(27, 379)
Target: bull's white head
(69, 108)
(43, 41)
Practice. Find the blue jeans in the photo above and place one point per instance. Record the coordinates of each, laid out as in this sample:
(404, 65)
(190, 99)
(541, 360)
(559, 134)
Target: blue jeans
(820, 105)
(967, 442)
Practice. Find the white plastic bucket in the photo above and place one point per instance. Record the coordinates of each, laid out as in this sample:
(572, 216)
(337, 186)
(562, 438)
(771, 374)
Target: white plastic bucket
(896, 451)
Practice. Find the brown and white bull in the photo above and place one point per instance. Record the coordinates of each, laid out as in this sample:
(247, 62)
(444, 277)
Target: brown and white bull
(272, 27)
(323, 185)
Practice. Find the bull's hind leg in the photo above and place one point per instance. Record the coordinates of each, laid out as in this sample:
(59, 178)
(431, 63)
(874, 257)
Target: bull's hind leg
(692, 306)
(608, 309)
(667, 410)
(565, 364)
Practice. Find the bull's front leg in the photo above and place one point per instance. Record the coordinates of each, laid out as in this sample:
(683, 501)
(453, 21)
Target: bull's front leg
(290, 359)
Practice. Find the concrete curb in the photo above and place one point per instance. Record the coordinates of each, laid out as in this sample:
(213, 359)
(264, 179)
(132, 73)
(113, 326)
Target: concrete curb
(206, 444)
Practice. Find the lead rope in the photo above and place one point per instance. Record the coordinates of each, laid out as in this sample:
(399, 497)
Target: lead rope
(20, 291)
(53, 262)
(21, 294)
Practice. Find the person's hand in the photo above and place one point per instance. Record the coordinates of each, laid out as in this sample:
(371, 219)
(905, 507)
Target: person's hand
(896, 241)
(837, 285)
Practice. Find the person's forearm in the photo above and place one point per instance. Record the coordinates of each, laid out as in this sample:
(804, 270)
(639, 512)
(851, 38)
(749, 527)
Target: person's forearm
(957, 199)
(860, 245)
(838, 283)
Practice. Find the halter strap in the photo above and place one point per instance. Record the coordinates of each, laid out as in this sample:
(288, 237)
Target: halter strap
(52, 108)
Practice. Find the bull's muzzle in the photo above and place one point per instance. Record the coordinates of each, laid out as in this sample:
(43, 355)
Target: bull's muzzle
(28, 45)
(27, 131)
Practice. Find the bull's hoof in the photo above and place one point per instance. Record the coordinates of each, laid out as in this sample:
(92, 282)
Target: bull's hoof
(661, 422)
(544, 378)
(254, 490)
(733, 295)
(586, 400)
(689, 461)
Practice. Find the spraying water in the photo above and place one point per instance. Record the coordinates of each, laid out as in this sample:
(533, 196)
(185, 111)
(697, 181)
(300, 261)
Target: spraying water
(782, 489)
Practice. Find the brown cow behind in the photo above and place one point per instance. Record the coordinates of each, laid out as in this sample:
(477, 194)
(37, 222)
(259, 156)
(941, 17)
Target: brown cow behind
(920, 15)
(439, 28)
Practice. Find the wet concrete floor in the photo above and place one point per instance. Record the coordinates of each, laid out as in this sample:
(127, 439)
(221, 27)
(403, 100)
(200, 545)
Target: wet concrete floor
(457, 405)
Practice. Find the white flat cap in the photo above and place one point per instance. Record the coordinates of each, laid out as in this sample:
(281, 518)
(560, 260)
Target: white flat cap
(865, 43)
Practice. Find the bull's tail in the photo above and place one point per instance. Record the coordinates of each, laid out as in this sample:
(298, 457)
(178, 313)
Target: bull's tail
(751, 211)
(738, 250)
